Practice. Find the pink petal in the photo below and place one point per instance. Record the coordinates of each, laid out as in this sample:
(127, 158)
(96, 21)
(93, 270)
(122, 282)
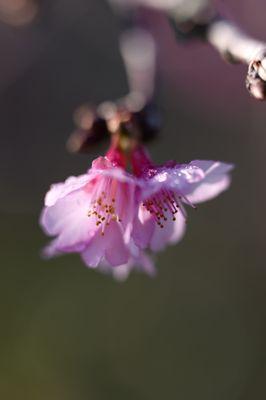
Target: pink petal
(143, 228)
(210, 167)
(121, 272)
(142, 263)
(147, 234)
(69, 220)
(60, 190)
(177, 178)
(104, 167)
(110, 247)
(66, 212)
(184, 179)
(94, 252)
(116, 252)
(179, 229)
(172, 232)
(101, 166)
(161, 236)
(50, 250)
(216, 180)
(126, 207)
(146, 264)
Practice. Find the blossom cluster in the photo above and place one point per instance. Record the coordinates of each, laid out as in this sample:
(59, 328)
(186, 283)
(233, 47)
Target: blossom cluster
(114, 218)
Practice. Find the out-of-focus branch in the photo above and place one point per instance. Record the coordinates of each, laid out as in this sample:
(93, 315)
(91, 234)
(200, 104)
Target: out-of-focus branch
(138, 51)
(233, 44)
(182, 9)
(236, 46)
(198, 18)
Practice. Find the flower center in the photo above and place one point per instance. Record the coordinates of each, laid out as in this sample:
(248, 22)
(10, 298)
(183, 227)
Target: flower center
(104, 207)
(163, 205)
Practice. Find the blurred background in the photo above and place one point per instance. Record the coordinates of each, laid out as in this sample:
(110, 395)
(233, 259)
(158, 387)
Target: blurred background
(196, 331)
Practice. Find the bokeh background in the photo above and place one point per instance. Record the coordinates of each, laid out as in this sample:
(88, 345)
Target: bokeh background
(198, 330)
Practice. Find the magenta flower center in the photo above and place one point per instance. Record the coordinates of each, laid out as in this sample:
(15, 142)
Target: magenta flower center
(163, 205)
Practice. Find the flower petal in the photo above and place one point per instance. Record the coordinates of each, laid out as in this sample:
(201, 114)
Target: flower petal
(142, 263)
(143, 228)
(68, 219)
(67, 211)
(176, 178)
(116, 252)
(198, 181)
(172, 232)
(110, 247)
(60, 190)
(216, 180)
(94, 252)
(179, 229)
(146, 264)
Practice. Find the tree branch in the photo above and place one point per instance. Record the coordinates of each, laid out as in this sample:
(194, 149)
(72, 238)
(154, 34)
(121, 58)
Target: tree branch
(231, 42)
(236, 46)
(198, 18)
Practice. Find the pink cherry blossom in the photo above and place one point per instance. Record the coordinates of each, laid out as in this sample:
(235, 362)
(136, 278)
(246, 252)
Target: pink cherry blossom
(92, 214)
(110, 216)
(161, 217)
(140, 262)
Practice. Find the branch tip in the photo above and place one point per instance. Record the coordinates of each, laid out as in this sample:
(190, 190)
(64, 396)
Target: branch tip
(256, 76)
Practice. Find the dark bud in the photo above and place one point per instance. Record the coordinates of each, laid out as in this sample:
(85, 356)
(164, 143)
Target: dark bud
(91, 129)
(190, 30)
(149, 121)
(194, 28)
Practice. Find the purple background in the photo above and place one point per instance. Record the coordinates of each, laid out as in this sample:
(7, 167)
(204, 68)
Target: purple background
(198, 330)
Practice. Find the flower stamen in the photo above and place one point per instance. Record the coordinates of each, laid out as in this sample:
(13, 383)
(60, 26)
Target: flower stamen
(103, 207)
(162, 204)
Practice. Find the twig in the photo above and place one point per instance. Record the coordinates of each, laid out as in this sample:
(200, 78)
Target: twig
(236, 46)
(138, 50)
